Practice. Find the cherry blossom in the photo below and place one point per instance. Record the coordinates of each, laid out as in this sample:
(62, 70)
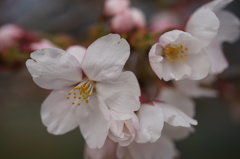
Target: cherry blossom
(85, 87)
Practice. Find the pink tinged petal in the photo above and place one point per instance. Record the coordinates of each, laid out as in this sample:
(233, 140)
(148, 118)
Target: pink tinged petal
(164, 148)
(200, 64)
(108, 151)
(151, 123)
(174, 116)
(121, 95)
(94, 121)
(177, 70)
(177, 132)
(218, 60)
(44, 43)
(105, 58)
(138, 17)
(77, 51)
(123, 22)
(192, 88)
(113, 7)
(57, 112)
(203, 25)
(155, 58)
(54, 68)
(182, 102)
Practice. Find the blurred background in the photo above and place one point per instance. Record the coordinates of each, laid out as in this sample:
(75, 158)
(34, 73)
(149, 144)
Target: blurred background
(23, 136)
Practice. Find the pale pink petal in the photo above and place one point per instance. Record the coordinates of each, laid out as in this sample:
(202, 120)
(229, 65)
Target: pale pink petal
(123, 22)
(54, 68)
(121, 95)
(57, 112)
(216, 5)
(155, 58)
(108, 151)
(151, 123)
(105, 58)
(174, 116)
(138, 17)
(113, 7)
(94, 121)
(200, 65)
(44, 43)
(192, 88)
(229, 29)
(176, 132)
(164, 148)
(218, 60)
(177, 99)
(169, 37)
(177, 70)
(77, 51)
(203, 25)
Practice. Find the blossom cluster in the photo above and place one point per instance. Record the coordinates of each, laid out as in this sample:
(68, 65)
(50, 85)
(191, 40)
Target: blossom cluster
(118, 118)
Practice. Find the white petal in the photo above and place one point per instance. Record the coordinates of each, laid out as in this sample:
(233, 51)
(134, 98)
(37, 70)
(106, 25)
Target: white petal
(53, 68)
(192, 88)
(176, 132)
(200, 65)
(169, 37)
(151, 123)
(93, 119)
(203, 25)
(161, 149)
(123, 126)
(177, 99)
(174, 116)
(121, 95)
(77, 51)
(105, 58)
(188, 41)
(229, 29)
(216, 5)
(108, 151)
(57, 112)
(177, 70)
(218, 60)
(155, 58)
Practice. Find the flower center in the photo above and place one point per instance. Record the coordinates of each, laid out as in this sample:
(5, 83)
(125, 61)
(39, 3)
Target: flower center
(82, 91)
(175, 53)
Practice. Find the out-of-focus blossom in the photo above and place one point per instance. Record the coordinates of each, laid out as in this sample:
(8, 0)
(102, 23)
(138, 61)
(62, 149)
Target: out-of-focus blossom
(85, 101)
(138, 17)
(220, 26)
(152, 117)
(122, 22)
(9, 34)
(108, 151)
(194, 89)
(179, 55)
(123, 127)
(113, 7)
(44, 43)
(163, 148)
(128, 20)
(181, 102)
(164, 21)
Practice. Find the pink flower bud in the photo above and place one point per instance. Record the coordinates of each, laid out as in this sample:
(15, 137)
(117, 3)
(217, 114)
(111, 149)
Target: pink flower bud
(113, 7)
(138, 17)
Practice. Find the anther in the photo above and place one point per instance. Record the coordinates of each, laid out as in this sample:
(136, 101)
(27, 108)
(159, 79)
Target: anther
(73, 103)
(78, 103)
(68, 97)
